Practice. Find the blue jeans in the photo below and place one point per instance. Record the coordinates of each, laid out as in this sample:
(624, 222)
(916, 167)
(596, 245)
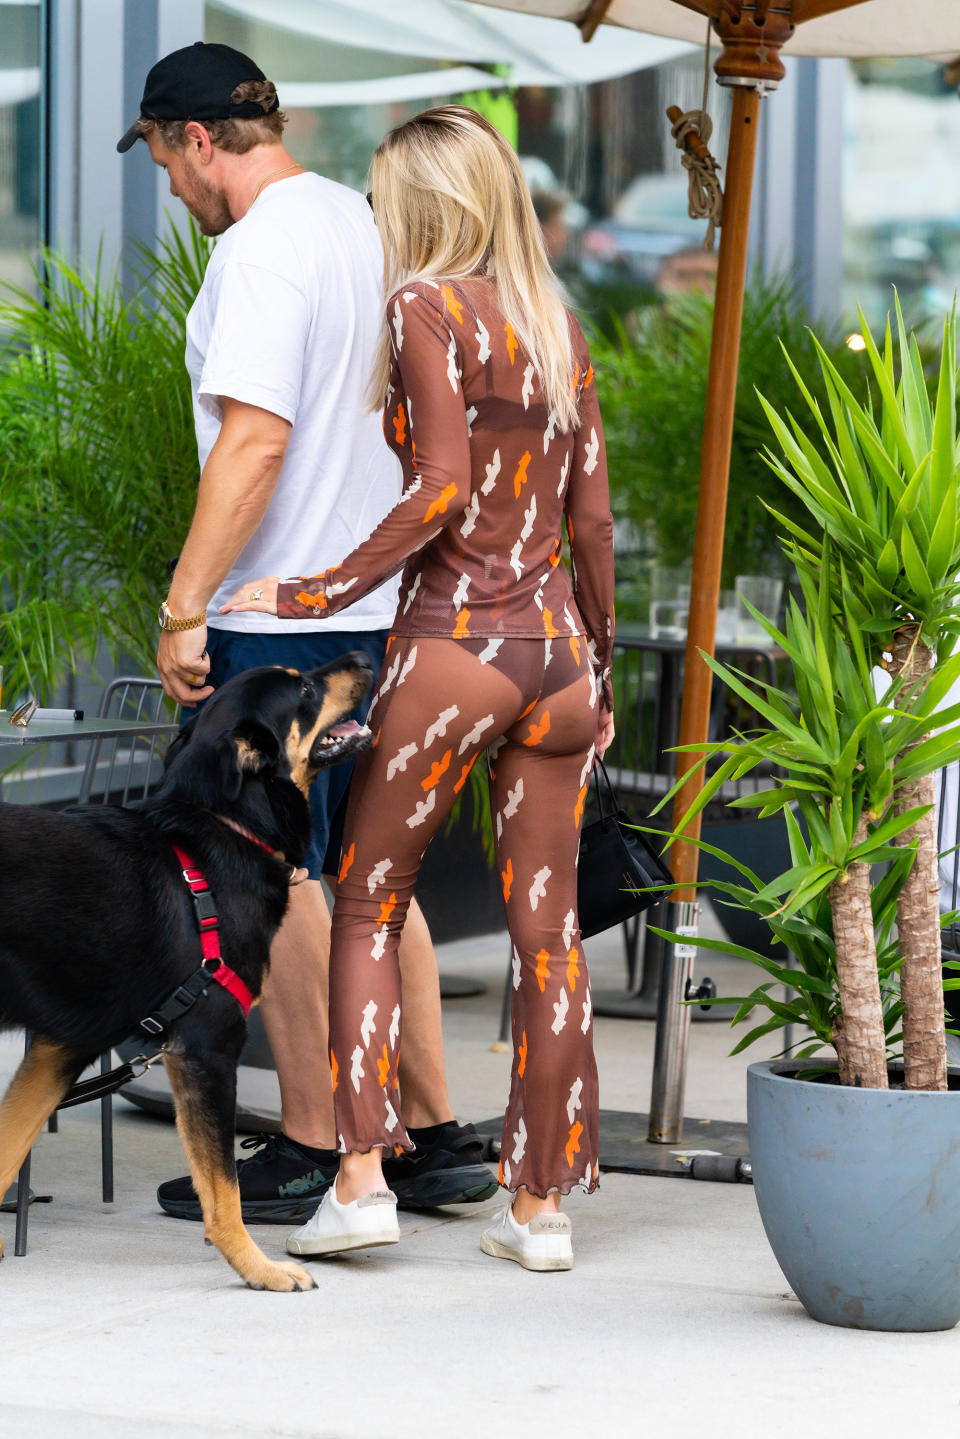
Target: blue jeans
(232, 651)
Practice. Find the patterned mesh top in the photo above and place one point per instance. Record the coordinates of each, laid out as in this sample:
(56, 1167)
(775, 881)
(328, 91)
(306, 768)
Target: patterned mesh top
(487, 480)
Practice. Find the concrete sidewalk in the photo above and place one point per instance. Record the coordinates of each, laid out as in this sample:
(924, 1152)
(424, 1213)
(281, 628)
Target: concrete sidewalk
(675, 1316)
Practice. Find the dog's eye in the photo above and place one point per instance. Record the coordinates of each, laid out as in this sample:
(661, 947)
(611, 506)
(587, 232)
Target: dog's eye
(307, 690)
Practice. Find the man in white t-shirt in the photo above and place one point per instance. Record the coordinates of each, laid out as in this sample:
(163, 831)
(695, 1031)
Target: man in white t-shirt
(294, 472)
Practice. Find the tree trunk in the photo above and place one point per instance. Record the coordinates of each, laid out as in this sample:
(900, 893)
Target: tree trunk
(858, 1034)
(918, 905)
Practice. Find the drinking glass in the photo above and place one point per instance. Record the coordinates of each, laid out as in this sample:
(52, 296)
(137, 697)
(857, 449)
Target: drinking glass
(764, 594)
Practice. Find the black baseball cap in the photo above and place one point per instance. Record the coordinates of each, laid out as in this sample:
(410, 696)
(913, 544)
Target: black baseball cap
(196, 84)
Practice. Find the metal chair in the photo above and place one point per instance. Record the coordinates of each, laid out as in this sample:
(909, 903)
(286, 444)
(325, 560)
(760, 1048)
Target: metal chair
(116, 772)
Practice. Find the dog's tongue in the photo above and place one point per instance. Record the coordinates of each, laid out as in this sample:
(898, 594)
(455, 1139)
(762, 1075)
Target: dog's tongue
(341, 731)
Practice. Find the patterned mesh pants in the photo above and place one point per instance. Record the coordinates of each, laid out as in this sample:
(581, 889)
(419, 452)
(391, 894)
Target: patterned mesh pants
(532, 705)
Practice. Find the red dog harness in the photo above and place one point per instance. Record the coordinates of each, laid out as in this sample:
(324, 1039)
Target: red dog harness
(209, 926)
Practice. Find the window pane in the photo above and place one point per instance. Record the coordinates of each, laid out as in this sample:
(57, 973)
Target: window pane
(901, 188)
(20, 157)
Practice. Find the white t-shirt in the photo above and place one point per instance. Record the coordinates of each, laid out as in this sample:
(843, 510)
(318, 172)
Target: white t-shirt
(288, 318)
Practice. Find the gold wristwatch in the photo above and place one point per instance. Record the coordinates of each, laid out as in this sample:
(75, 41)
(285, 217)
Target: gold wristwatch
(168, 622)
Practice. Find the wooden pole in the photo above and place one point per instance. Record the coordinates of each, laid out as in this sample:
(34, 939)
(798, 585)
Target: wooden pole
(673, 1016)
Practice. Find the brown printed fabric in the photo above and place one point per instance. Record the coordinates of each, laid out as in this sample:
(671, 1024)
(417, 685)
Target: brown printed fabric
(532, 706)
(488, 480)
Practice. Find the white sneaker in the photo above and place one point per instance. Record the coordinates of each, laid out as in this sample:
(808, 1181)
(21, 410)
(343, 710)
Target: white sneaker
(362, 1224)
(542, 1244)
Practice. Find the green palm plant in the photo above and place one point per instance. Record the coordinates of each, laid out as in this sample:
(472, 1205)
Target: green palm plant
(884, 484)
(858, 770)
(98, 460)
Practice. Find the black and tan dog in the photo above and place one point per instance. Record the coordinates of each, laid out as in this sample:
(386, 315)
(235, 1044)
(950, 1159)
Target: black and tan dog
(98, 925)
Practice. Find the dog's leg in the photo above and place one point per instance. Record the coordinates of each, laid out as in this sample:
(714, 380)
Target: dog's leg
(44, 1076)
(205, 1099)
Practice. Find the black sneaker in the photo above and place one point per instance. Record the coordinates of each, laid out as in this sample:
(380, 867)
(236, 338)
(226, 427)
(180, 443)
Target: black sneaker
(278, 1183)
(446, 1168)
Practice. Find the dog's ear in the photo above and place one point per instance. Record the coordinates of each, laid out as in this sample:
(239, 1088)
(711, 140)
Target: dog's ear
(251, 748)
(177, 745)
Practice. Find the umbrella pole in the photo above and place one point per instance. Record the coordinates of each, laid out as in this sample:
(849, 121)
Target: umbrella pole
(673, 1016)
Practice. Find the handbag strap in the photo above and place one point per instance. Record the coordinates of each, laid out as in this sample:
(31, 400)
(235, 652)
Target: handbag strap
(600, 770)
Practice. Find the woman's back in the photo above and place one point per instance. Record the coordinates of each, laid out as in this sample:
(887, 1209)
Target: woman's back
(496, 568)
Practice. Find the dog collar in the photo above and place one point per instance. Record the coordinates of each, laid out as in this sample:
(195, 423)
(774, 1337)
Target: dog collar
(261, 844)
(208, 924)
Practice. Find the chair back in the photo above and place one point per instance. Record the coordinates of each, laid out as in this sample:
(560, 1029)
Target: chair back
(120, 770)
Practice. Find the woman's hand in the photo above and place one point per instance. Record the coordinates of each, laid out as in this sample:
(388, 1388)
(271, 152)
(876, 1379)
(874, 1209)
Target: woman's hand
(605, 730)
(257, 595)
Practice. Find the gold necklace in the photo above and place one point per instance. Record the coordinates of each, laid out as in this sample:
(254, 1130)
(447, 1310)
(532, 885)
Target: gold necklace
(274, 174)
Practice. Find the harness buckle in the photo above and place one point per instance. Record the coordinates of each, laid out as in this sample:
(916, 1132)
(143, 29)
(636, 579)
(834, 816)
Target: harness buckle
(151, 1025)
(205, 907)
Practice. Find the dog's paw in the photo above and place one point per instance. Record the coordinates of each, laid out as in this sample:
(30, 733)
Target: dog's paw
(285, 1278)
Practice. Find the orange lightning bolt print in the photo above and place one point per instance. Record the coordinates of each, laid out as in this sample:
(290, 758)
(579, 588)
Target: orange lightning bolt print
(522, 1056)
(573, 1143)
(453, 304)
(438, 768)
(383, 1067)
(507, 876)
(334, 1069)
(542, 970)
(520, 478)
(549, 628)
(400, 424)
(345, 863)
(439, 506)
(460, 631)
(573, 970)
(512, 346)
(537, 731)
(387, 906)
(463, 775)
(578, 807)
(314, 602)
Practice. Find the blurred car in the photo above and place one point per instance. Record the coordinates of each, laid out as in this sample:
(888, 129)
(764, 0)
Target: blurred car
(647, 223)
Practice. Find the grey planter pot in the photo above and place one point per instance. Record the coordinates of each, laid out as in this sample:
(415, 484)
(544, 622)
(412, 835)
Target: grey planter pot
(859, 1193)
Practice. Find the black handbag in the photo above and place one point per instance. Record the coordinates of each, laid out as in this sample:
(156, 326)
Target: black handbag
(616, 861)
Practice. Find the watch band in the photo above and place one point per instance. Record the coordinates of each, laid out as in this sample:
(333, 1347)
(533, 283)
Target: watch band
(170, 622)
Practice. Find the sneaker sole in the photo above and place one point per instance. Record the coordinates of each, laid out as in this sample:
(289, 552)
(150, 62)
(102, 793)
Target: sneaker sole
(546, 1265)
(305, 1249)
(468, 1185)
(253, 1211)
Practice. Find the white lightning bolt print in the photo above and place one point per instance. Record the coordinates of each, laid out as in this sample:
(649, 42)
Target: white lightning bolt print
(398, 325)
(493, 470)
(560, 1012)
(399, 761)
(527, 391)
(470, 515)
(538, 889)
(483, 340)
(394, 1032)
(357, 1071)
(378, 874)
(490, 651)
(424, 808)
(592, 452)
(439, 727)
(480, 728)
(519, 1141)
(573, 1103)
(368, 1027)
(379, 944)
(460, 593)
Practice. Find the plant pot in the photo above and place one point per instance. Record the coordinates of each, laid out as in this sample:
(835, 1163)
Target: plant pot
(859, 1193)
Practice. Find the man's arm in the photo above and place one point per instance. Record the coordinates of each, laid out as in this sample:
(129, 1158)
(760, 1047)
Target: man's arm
(236, 487)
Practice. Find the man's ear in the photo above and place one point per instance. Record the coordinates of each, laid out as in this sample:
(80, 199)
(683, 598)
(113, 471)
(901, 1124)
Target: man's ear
(250, 749)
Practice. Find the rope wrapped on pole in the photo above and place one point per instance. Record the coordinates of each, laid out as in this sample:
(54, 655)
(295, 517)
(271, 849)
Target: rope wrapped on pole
(691, 129)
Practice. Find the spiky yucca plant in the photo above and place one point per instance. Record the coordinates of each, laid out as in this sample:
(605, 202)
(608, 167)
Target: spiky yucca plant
(856, 769)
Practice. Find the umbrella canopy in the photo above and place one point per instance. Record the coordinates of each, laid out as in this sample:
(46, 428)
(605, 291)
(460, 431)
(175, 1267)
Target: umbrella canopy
(862, 28)
(372, 54)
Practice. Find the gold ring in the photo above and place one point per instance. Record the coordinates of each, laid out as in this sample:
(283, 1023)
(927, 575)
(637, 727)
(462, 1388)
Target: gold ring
(256, 594)
(195, 680)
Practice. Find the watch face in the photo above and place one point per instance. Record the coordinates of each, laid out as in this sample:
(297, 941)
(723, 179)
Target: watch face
(162, 616)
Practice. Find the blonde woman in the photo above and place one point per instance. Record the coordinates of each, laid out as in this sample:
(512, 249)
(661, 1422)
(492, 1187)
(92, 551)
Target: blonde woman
(489, 401)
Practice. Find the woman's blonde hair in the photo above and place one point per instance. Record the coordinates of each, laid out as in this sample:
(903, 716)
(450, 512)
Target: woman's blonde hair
(451, 200)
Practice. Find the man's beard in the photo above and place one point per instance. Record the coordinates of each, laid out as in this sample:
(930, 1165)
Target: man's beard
(207, 205)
